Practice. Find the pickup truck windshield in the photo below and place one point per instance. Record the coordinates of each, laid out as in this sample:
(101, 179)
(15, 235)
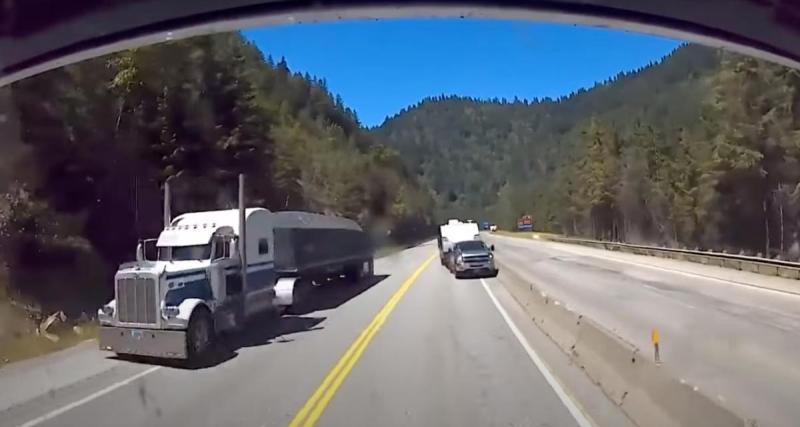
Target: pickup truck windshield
(185, 253)
(473, 245)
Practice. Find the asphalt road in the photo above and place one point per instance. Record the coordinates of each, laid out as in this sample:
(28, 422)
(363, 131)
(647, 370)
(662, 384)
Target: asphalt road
(444, 354)
(738, 344)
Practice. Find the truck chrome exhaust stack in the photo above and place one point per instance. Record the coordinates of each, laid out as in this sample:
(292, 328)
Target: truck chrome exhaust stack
(167, 203)
(242, 233)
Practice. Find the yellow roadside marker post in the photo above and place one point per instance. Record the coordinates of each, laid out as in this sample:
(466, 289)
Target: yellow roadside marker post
(655, 339)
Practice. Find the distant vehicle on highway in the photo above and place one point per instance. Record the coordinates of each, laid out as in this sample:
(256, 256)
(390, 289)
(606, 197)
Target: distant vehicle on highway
(473, 258)
(485, 225)
(493, 228)
(215, 270)
(451, 233)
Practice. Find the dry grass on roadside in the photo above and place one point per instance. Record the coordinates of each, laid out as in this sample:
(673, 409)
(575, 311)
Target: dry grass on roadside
(18, 346)
(19, 340)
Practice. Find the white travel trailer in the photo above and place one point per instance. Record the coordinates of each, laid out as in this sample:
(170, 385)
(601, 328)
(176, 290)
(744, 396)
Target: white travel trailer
(453, 232)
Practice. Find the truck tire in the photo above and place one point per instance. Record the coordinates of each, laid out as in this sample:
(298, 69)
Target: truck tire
(367, 269)
(200, 337)
(352, 273)
(301, 297)
(358, 272)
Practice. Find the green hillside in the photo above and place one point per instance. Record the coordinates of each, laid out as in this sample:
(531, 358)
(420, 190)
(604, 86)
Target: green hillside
(698, 150)
(100, 138)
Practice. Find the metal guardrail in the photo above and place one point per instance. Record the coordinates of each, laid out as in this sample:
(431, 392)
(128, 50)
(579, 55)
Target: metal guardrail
(766, 266)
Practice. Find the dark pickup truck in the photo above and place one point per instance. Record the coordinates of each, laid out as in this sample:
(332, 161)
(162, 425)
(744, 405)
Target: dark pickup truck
(473, 259)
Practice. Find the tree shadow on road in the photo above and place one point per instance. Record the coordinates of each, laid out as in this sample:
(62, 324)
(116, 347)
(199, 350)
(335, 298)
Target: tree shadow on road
(263, 329)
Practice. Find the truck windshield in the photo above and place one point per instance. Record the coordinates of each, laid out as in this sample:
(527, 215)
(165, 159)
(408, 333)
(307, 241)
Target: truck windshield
(473, 245)
(185, 253)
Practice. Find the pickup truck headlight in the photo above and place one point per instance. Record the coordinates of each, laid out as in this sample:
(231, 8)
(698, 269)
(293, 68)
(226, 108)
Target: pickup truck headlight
(459, 260)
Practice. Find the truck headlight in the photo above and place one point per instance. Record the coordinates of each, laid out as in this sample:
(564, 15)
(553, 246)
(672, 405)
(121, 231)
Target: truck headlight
(170, 312)
(105, 314)
(459, 260)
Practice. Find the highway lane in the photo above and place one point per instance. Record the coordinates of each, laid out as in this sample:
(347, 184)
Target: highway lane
(443, 356)
(737, 343)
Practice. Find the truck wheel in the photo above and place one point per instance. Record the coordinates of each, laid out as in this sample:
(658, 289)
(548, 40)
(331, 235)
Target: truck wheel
(352, 273)
(199, 337)
(367, 269)
(300, 297)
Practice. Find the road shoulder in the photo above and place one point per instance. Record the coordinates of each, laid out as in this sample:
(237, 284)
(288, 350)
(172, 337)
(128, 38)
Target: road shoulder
(594, 404)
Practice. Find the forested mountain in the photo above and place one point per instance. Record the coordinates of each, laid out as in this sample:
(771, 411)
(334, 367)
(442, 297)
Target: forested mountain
(700, 149)
(99, 138)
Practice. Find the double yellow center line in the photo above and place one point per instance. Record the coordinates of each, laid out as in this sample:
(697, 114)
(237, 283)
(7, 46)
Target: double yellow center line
(311, 411)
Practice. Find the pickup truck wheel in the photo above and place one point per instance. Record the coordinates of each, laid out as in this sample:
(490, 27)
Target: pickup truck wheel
(199, 337)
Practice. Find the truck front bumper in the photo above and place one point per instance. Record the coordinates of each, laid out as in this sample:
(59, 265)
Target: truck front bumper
(484, 269)
(168, 344)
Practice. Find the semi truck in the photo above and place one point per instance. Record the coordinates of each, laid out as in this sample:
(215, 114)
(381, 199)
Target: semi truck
(451, 233)
(212, 272)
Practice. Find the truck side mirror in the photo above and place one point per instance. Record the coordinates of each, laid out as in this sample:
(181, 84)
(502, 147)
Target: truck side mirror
(140, 252)
(491, 248)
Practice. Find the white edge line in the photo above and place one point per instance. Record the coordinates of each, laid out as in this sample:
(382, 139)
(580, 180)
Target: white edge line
(87, 399)
(571, 406)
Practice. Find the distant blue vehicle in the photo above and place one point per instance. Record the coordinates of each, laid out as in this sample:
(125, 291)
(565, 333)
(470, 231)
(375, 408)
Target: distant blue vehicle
(485, 225)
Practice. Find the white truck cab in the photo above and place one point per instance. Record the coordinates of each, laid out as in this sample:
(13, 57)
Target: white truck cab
(197, 272)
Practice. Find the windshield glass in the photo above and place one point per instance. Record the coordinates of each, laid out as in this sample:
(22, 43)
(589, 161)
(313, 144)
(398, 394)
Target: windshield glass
(646, 184)
(472, 245)
(185, 253)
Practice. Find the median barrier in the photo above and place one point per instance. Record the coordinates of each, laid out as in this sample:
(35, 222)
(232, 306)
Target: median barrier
(560, 324)
(644, 390)
(789, 273)
(768, 269)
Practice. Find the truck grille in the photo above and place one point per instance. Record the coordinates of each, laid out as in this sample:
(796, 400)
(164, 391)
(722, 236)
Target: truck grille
(136, 300)
(476, 260)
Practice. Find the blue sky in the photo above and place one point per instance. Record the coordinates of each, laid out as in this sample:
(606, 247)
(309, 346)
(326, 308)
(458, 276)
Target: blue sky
(380, 67)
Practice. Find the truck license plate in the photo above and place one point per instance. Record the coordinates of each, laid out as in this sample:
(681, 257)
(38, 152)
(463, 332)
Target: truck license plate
(137, 335)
